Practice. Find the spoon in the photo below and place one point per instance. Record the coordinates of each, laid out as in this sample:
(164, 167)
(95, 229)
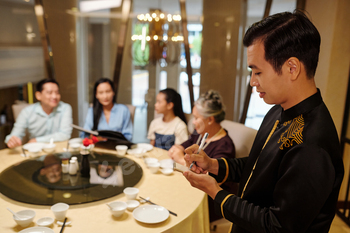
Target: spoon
(20, 217)
(109, 206)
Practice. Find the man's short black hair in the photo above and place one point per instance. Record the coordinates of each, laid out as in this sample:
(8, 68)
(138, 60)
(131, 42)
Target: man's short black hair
(287, 35)
(40, 84)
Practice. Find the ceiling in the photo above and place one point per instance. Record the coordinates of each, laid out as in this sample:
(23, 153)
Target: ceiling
(193, 7)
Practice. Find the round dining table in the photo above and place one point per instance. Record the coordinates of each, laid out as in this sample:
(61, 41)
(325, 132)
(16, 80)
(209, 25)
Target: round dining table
(172, 192)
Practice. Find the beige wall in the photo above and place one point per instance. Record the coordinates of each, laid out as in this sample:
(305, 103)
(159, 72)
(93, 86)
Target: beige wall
(332, 20)
(62, 35)
(219, 49)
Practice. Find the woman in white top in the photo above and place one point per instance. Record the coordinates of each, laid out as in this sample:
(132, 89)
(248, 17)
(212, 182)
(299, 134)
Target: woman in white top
(170, 129)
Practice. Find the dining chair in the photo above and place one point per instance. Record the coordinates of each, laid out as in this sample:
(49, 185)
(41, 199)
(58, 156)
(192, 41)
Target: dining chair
(190, 126)
(16, 109)
(241, 135)
(132, 110)
(243, 138)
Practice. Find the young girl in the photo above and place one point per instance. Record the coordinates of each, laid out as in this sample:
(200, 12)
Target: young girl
(105, 114)
(172, 127)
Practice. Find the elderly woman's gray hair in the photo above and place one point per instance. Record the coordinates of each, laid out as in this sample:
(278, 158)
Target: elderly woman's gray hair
(211, 104)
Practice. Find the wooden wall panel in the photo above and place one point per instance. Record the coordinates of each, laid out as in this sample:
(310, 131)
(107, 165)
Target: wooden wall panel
(19, 65)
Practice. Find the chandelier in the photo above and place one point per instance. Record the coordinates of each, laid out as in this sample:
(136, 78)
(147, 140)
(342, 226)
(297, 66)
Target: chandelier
(157, 38)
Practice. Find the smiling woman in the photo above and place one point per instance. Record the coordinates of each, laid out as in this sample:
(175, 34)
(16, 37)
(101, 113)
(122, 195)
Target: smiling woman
(105, 114)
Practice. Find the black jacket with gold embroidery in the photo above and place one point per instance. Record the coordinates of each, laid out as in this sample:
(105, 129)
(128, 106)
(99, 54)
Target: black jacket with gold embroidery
(295, 184)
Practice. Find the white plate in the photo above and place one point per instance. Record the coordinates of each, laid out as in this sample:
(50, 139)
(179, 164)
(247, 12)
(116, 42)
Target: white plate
(145, 146)
(150, 214)
(33, 145)
(37, 230)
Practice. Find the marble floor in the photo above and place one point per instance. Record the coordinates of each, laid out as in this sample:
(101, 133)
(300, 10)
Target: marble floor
(338, 226)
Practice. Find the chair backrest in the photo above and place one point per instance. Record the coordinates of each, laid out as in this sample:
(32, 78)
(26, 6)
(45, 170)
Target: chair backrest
(241, 135)
(132, 109)
(190, 126)
(17, 108)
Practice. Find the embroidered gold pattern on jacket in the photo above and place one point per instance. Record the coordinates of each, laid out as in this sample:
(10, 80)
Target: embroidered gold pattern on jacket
(294, 133)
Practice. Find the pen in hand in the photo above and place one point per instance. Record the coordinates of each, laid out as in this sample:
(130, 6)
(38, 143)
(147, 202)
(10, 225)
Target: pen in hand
(200, 147)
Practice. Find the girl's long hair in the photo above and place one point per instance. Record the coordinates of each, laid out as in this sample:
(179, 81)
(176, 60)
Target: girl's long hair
(171, 96)
(97, 106)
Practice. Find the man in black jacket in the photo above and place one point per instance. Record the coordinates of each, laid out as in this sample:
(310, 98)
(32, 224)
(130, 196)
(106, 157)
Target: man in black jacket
(291, 179)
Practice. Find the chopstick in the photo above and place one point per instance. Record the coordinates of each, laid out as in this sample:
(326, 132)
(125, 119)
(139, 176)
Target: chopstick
(64, 223)
(25, 155)
(156, 204)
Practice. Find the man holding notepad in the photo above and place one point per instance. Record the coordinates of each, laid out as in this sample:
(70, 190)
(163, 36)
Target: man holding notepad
(291, 179)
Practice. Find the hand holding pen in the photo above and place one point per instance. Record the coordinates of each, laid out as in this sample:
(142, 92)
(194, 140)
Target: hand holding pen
(200, 147)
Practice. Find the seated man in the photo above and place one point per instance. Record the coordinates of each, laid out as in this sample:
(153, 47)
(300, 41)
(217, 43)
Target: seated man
(46, 119)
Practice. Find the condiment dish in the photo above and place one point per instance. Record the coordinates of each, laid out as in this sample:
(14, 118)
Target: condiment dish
(132, 204)
(45, 221)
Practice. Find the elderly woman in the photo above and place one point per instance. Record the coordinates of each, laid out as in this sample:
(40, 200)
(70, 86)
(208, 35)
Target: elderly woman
(207, 113)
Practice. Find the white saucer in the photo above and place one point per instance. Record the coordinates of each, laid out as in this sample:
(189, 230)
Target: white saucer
(145, 146)
(37, 230)
(33, 145)
(150, 214)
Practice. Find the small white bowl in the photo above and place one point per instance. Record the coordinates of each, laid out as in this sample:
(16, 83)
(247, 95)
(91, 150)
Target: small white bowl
(131, 193)
(166, 163)
(34, 151)
(49, 148)
(137, 152)
(117, 208)
(45, 221)
(150, 160)
(132, 204)
(75, 146)
(154, 167)
(75, 140)
(167, 171)
(29, 216)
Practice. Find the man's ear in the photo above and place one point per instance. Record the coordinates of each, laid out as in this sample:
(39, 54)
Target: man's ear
(38, 95)
(293, 67)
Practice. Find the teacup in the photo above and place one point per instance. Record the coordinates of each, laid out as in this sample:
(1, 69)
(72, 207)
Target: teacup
(60, 210)
(121, 149)
(131, 193)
